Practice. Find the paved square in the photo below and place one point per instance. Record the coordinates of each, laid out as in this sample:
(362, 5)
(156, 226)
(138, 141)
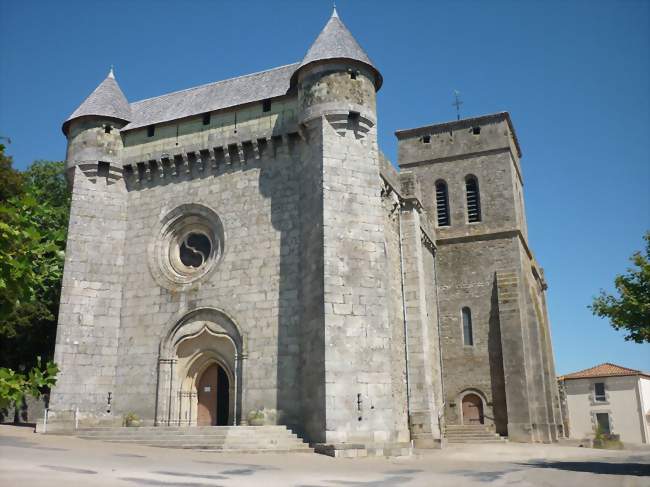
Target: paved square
(28, 459)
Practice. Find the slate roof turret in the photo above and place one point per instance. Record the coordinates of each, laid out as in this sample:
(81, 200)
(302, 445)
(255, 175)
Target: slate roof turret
(336, 42)
(106, 101)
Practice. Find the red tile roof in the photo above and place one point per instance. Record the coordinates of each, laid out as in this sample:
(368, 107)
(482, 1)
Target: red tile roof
(603, 370)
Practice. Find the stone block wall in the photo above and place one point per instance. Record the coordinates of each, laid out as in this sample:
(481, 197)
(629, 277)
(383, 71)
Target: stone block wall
(510, 361)
(256, 281)
(91, 297)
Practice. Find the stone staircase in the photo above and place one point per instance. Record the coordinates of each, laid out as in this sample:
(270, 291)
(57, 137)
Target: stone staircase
(230, 439)
(359, 450)
(479, 433)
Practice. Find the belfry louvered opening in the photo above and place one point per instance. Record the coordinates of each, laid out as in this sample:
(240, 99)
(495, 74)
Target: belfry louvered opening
(473, 199)
(442, 204)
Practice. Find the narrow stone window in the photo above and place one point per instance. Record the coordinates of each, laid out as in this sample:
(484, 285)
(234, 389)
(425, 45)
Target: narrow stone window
(353, 120)
(103, 169)
(353, 75)
(206, 119)
(473, 199)
(442, 204)
(468, 337)
(476, 130)
(599, 392)
(107, 129)
(151, 130)
(426, 139)
(266, 105)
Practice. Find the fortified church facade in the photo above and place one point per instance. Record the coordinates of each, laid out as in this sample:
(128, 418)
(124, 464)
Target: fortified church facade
(245, 246)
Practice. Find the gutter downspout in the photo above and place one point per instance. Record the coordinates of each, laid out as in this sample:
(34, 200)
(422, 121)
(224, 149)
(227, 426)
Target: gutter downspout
(406, 330)
(442, 382)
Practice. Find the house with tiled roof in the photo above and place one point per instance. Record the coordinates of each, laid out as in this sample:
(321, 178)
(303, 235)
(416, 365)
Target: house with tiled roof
(611, 396)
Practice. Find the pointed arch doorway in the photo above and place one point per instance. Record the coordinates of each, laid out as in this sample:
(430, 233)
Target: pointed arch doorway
(213, 396)
(472, 409)
(202, 348)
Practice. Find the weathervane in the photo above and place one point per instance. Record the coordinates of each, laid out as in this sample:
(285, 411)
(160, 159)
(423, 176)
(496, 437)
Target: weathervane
(457, 103)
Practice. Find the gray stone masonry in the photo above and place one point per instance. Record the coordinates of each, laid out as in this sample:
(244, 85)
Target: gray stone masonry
(268, 240)
(509, 363)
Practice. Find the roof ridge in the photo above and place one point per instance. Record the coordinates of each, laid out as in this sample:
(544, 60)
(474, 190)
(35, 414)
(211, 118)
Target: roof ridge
(214, 83)
(597, 371)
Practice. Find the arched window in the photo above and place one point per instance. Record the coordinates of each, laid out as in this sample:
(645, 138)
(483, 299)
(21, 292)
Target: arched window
(442, 204)
(468, 336)
(473, 199)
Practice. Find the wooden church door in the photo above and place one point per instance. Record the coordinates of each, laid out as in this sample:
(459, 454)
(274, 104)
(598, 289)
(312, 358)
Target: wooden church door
(207, 397)
(472, 409)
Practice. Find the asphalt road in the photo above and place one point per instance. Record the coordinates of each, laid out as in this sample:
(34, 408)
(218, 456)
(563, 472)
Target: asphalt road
(31, 460)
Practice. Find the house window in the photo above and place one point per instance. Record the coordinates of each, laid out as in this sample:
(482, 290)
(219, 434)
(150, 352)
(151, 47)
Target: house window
(266, 105)
(599, 391)
(468, 337)
(442, 203)
(473, 199)
(151, 130)
(602, 420)
(206, 119)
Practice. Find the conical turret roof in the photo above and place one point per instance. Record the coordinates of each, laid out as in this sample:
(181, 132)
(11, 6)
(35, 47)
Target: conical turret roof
(336, 42)
(106, 101)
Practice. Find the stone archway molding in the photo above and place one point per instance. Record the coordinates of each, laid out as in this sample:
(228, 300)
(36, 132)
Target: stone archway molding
(465, 392)
(185, 326)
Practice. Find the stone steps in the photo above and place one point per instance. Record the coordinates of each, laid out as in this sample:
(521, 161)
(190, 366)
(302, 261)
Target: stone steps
(359, 450)
(472, 434)
(232, 439)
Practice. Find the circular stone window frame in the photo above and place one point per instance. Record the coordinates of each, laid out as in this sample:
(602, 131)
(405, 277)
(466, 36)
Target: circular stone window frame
(164, 257)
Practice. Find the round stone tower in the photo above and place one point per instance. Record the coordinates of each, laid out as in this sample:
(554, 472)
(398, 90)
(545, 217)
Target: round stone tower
(88, 326)
(347, 382)
(336, 78)
(93, 129)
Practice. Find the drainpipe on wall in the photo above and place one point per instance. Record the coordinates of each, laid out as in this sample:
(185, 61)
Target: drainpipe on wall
(442, 382)
(406, 335)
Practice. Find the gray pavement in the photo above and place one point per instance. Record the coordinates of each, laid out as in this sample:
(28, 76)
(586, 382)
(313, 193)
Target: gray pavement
(28, 459)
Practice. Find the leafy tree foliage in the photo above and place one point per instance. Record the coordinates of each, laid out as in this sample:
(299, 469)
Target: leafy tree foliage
(33, 227)
(14, 386)
(630, 310)
(11, 181)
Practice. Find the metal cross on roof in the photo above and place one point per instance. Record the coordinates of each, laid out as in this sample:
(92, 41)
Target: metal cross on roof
(457, 103)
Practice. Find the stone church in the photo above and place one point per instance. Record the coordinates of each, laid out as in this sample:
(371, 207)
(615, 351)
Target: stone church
(243, 249)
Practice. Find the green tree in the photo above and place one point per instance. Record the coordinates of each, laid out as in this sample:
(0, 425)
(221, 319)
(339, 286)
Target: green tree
(14, 386)
(630, 310)
(33, 228)
(11, 181)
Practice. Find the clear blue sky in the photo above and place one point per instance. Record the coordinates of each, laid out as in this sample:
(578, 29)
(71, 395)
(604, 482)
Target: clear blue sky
(573, 74)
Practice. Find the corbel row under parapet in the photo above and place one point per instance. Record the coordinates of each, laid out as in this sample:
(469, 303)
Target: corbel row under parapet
(183, 164)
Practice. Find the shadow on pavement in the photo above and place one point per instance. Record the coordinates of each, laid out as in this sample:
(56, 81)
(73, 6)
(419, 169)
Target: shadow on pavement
(161, 483)
(607, 468)
(17, 442)
(483, 475)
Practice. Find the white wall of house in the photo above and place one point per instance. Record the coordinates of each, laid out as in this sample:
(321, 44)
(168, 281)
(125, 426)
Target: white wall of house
(622, 403)
(644, 385)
